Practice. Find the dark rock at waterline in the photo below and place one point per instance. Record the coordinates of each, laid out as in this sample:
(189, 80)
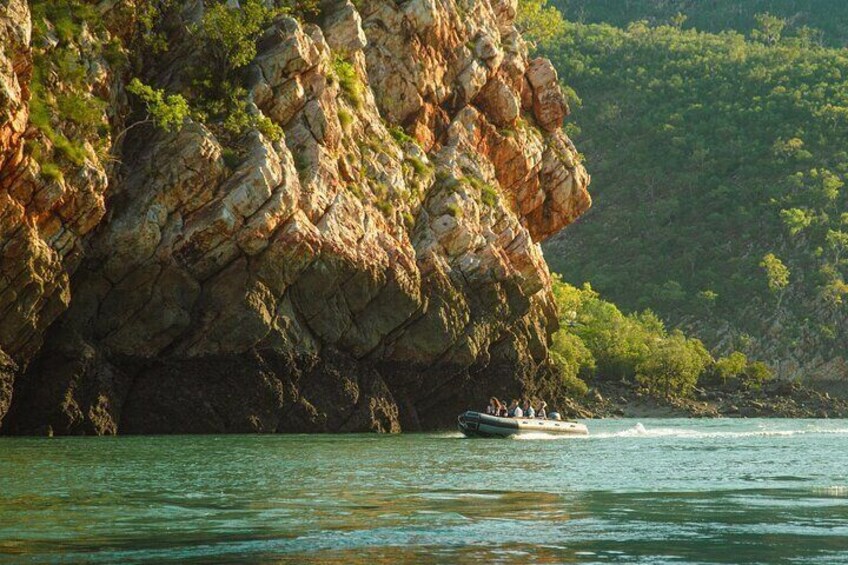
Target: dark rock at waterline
(8, 369)
(256, 392)
(82, 391)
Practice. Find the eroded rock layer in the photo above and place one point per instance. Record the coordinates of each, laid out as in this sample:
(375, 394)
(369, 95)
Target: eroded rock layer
(378, 268)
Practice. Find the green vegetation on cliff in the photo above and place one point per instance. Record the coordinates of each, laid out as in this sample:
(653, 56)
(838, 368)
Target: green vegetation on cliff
(718, 165)
(72, 49)
(225, 40)
(71, 113)
(597, 342)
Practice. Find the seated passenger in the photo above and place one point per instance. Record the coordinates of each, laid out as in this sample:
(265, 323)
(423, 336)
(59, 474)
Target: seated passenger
(515, 410)
(543, 411)
(502, 411)
(492, 408)
(528, 409)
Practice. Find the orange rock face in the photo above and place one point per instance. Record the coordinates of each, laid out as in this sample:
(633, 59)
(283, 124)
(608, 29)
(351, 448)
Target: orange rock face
(380, 268)
(43, 217)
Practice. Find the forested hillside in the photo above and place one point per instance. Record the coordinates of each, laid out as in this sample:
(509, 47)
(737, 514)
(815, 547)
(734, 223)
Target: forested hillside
(826, 21)
(719, 163)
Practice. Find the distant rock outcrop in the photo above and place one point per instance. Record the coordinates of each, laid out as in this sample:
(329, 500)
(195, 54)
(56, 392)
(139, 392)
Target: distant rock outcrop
(379, 268)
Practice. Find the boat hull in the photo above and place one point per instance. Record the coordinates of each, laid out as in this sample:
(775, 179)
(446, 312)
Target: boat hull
(477, 424)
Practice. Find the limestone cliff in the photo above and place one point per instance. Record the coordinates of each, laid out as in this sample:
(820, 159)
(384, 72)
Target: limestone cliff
(377, 268)
(43, 217)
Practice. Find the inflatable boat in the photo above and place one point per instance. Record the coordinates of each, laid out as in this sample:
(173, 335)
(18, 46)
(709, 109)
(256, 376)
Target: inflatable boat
(476, 424)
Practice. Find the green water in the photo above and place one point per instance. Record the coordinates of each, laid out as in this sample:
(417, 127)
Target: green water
(717, 491)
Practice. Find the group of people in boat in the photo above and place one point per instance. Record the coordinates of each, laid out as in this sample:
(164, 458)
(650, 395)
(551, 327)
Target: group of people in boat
(524, 409)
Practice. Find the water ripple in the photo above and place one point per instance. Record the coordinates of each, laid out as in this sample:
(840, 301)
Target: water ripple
(655, 491)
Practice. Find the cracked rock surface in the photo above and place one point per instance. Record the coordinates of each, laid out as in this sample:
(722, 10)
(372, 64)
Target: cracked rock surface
(378, 269)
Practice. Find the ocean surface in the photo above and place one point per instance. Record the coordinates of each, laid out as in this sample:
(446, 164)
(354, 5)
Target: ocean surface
(647, 491)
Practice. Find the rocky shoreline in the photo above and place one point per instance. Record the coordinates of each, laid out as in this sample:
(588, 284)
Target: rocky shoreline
(780, 399)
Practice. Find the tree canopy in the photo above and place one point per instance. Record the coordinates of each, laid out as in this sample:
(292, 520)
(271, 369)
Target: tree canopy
(815, 21)
(718, 163)
(597, 342)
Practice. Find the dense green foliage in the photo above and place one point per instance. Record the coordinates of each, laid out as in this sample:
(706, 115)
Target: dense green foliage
(597, 342)
(538, 22)
(229, 36)
(68, 115)
(718, 168)
(70, 40)
(824, 21)
(225, 39)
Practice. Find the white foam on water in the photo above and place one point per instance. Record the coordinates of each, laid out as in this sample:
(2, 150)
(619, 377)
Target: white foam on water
(450, 435)
(541, 435)
(639, 430)
(835, 491)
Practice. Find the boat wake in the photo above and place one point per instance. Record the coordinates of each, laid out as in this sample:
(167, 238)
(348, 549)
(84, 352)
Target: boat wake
(639, 430)
(542, 436)
(450, 435)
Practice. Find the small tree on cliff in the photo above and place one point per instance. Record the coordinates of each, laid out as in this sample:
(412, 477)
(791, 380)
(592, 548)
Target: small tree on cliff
(837, 242)
(769, 28)
(777, 276)
(539, 22)
(165, 111)
(168, 112)
(226, 36)
(678, 19)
